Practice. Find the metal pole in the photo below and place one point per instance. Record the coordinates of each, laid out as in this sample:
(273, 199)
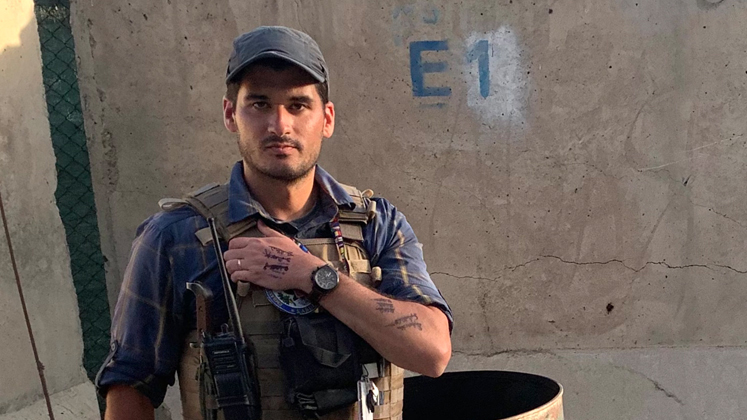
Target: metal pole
(39, 365)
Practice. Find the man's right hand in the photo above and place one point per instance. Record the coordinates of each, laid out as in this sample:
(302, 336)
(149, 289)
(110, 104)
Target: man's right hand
(125, 402)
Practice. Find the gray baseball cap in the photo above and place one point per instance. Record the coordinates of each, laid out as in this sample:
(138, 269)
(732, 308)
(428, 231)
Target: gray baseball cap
(288, 44)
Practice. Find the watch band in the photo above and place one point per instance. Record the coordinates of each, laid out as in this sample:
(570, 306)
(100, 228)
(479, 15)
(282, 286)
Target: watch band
(315, 296)
(316, 291)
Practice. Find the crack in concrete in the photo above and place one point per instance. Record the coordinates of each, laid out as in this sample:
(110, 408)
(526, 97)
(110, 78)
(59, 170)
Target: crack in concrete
(662, 263)
(464, 277)
(712, 210)
(591, 262)
(506, 267)
(675, 267)
(656, 384)
(516, 267)
(510, 352)
(731, 268)
(728, 218)
(667, 393)
(612, 261)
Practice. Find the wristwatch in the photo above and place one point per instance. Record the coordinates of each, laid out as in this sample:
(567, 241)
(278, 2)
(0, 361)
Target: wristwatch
(324, 280)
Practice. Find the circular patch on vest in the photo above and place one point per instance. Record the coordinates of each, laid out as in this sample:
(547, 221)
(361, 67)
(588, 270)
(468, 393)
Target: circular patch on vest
(289, 302)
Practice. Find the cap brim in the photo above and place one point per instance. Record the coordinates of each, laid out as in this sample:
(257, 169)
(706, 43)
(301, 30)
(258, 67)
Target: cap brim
(274, 54)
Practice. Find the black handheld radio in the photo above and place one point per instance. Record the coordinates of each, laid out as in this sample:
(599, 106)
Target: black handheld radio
(230, 368)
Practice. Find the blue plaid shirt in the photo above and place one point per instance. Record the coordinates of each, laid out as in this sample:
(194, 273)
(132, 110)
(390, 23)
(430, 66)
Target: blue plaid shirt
(155, 311)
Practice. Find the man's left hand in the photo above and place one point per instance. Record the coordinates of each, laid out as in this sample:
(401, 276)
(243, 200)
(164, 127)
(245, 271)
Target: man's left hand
(273, 262)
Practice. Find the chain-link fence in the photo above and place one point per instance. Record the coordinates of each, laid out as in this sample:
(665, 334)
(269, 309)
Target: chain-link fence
(74, 192)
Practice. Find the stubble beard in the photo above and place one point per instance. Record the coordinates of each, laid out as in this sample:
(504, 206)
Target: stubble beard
(284, 173)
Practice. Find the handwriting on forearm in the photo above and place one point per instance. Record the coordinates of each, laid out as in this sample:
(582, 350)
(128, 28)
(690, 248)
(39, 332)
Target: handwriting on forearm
(384, 305)
(405, 322)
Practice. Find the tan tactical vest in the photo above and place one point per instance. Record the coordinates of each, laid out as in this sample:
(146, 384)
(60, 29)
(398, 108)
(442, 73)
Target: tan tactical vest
(261, 320)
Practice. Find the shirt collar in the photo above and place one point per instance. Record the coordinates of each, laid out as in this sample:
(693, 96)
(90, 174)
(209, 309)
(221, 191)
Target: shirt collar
(332, 188)
(241, 204)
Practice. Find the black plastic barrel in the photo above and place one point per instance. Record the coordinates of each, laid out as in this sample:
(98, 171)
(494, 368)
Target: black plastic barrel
(482, 395)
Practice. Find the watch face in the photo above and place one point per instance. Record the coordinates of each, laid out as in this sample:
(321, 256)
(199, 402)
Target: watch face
(326, 278)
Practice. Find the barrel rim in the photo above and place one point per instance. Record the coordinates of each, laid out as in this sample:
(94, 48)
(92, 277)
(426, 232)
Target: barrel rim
(554, 388)
(457, 373)
(544, 407)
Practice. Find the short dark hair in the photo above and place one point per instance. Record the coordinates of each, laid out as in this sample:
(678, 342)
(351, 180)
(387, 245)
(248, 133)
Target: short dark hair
(277, 64)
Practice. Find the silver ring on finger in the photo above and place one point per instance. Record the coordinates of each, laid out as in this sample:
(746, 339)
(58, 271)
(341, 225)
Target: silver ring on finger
(239, 262)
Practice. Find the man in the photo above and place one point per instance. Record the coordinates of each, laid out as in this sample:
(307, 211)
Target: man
(277, 103)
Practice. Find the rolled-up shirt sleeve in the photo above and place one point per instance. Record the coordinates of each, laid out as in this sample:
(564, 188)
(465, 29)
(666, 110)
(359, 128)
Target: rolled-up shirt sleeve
(145, 343)
(395, 249)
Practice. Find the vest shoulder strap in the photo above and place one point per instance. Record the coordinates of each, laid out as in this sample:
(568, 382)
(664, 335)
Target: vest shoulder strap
(211, 201)
(169, 204)
(365, 208)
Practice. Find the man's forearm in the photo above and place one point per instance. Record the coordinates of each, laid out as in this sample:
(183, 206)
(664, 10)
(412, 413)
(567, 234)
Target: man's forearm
(410, 335)
(413, 336)
(124, 402)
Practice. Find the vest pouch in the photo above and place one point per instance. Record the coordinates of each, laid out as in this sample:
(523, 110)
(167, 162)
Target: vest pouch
(320, 362)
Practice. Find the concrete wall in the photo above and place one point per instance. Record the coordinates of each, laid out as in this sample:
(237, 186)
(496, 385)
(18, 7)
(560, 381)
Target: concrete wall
(573, 169)
(27, 184)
